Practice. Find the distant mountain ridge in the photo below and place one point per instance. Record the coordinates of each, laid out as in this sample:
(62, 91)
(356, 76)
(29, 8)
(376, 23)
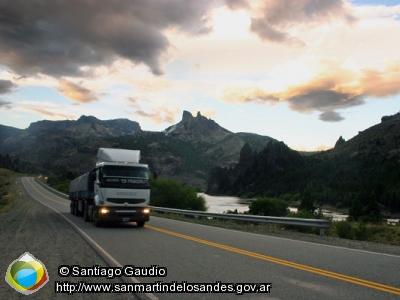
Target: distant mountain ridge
(199, 152)
(185, 151)
(87, 125)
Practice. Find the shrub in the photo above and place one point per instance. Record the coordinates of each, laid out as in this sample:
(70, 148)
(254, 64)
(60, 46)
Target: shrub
(269, 207)
(173, 194)
(360, 232)
(344, 229)
(302, 214)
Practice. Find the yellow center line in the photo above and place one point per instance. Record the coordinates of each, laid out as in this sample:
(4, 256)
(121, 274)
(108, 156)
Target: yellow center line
(354, 280)
(51, 199)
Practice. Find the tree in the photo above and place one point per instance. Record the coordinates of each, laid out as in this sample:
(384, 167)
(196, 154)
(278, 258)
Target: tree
(356, 210)
(373, 212)
(307, 200)
(173, 194)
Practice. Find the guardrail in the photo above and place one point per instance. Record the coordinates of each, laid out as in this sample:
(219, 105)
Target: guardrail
(321, 224)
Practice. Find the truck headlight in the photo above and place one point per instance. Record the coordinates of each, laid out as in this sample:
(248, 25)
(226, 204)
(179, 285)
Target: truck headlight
(146, 210)
(104, 211)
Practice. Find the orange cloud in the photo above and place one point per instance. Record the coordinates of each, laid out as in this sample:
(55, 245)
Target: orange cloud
(75, 92)
(159, 115)
(381, 83)
(54, 115)
(331, 88)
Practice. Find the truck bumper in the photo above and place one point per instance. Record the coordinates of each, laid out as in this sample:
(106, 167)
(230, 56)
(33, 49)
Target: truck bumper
(123, 215)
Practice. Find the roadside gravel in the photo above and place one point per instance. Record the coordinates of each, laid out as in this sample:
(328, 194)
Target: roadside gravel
(32, 227)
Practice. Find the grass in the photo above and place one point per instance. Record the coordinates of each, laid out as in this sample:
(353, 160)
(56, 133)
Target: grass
(376, 233)
(7, 189)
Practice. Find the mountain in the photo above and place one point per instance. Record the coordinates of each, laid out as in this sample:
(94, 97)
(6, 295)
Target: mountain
(185, 151)
(199, 152)
(197, 129)
(365, 168)
(50, 146)
(189, 149)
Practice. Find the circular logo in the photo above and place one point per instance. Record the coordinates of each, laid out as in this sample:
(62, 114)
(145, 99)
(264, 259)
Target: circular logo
(27, 274)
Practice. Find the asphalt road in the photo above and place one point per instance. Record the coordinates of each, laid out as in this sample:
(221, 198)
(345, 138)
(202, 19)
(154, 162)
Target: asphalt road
(195, 253)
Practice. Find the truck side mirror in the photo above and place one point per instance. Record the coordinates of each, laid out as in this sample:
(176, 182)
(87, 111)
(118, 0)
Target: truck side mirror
(154, 174)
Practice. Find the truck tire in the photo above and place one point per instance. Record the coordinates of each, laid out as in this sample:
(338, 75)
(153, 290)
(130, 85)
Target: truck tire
(86, 216)
(95, 218)
(76, 212)
(140, 224)
(71, 206)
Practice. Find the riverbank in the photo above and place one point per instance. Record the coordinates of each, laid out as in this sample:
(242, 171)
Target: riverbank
(223, 204)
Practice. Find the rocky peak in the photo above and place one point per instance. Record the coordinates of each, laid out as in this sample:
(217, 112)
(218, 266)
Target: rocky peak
(196, 128)
(340, 141)
(186, 116)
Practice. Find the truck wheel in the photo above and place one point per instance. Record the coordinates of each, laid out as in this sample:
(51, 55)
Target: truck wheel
(76, 212)
(86, 212)
(95, 218)
(140, 224)
(72, 207)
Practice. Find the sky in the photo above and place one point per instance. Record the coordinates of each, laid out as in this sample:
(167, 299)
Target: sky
(304, 72)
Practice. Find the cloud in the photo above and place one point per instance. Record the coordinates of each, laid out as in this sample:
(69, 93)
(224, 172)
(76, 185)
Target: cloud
(237, 4)
(267, 32)
(6, 86)
(381, 83)
(48, 114)
(76, 92)
(159, 115)
(278, 20)
(5, 104)
(69, 37)
(331, 116)
(331, 88)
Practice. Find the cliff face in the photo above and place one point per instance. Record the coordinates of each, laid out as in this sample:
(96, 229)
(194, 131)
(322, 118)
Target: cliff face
(197, 129)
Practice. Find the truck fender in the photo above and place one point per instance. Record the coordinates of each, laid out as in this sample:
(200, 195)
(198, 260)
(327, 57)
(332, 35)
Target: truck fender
(96, 200)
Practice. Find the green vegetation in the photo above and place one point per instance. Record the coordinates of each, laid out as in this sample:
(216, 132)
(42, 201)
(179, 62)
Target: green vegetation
(61, 182)
(173, 194)
(7, 191)
(372, 232)
(342, 177)
(269, 207)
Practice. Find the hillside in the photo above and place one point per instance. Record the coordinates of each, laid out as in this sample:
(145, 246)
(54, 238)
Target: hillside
(365, 168)
(185, 151)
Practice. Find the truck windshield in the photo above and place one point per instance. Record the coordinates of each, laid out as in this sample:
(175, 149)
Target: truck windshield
(125, 172)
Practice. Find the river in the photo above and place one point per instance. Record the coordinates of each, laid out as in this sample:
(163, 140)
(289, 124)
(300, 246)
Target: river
(221, 204)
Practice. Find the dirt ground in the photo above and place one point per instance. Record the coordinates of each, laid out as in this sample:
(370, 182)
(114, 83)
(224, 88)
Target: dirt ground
(32, 227)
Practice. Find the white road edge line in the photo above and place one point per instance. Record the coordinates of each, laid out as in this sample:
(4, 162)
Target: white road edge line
(99, 250)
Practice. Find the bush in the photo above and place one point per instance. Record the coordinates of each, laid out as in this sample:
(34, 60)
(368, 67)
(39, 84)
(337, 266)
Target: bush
(302, 214)
(360, 232)
(344, 230)
(173, 194)
(269, 207)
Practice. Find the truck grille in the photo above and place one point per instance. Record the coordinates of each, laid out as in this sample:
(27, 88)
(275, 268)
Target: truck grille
(122, 200)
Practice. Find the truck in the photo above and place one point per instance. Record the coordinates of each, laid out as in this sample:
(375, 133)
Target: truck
(117, 189)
